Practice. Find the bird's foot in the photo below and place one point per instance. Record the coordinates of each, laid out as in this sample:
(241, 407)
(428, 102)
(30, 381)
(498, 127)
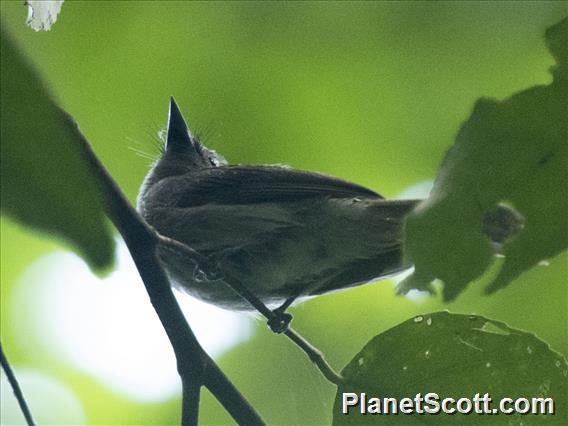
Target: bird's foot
(207, 271)
(280, 321)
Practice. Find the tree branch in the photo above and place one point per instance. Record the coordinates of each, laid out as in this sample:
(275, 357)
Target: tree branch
(190, 402)
(195, 367)
(16, 388)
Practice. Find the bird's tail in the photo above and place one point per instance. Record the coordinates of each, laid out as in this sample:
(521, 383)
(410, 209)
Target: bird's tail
(378, 253)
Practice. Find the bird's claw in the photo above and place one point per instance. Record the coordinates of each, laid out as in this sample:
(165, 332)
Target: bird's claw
(280, 322)
(207, 272)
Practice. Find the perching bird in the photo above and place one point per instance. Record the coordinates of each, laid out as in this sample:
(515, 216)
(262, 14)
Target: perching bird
(281, 233)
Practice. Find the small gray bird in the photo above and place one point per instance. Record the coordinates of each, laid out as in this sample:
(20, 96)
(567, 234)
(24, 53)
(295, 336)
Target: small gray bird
(282, 234)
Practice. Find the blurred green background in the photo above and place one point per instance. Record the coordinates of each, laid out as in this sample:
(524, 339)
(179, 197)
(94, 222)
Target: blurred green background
(370, 92)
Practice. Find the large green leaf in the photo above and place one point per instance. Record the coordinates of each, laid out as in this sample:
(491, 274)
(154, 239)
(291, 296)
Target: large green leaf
(45, 180)
(456, 356)
(513, 151)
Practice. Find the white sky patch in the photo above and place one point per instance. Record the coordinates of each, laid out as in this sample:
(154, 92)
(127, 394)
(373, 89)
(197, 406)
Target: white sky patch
(42, 14)
(417, 191)
(49, 401)
(108, 328)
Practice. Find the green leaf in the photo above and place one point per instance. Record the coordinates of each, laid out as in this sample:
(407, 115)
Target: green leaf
(46, 184)
(455, 356)
(513, 151)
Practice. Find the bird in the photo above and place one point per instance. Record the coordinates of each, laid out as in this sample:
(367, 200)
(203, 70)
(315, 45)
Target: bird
(282, 234)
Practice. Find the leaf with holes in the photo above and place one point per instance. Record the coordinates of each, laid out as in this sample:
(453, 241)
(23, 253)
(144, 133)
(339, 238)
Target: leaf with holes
(453, 356)
(513, 151)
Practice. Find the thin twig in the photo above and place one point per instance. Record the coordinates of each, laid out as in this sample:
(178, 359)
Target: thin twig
(16, 388)
(212, 273)
(310, 350)
(176, 246)
(203, 263)
(195, 367)
(316, 356)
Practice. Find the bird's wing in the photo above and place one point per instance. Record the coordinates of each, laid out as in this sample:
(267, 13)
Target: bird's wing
(233, 185)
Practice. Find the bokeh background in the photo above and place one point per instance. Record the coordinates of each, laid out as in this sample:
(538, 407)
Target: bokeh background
(370, 92)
